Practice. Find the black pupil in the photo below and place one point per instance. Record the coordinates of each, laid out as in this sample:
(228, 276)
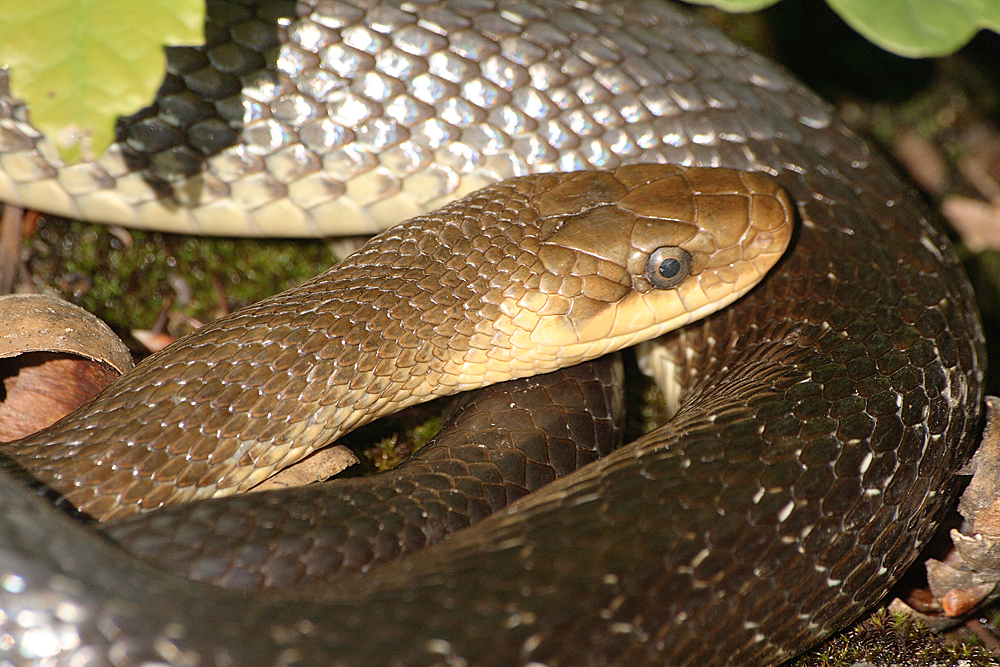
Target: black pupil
(670, 267)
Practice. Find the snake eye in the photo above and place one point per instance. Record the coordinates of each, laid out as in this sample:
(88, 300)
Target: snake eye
(668, 267)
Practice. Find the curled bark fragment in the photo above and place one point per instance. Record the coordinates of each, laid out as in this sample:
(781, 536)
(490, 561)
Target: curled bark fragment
(54, 356)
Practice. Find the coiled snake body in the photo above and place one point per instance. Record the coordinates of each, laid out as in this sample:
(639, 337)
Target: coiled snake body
(822, 416)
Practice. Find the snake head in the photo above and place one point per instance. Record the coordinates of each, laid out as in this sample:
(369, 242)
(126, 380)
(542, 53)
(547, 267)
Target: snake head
(626, 255)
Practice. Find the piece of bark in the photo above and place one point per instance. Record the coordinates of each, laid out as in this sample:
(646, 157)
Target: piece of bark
(54, 356)
(317, 467)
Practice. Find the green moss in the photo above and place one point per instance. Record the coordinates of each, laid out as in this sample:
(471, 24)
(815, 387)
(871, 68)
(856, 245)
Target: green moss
(390, 451)
(422, 433)
(386, 453)
(130, 279)
(886, 638)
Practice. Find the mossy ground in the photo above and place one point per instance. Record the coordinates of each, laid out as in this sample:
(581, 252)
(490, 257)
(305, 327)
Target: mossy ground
(885, 639)
(133, 279)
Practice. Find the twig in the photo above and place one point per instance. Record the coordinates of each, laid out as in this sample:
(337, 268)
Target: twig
(10, 246)
(988, 639)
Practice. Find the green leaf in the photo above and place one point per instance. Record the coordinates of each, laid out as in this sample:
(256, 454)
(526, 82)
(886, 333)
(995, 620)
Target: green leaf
(736, 6)
(80, 64)
(913, 28)
(919, 28)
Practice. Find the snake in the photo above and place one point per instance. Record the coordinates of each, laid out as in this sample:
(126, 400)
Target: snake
(495, 445)
(819, 422)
